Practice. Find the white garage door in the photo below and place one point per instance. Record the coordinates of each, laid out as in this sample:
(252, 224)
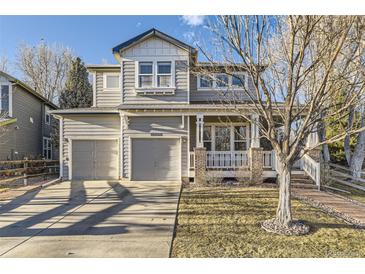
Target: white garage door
(155, 159)
(95, 159)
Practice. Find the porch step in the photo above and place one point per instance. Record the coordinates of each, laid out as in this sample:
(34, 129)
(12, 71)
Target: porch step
(300, 176)
(302, 181)
(303, 185)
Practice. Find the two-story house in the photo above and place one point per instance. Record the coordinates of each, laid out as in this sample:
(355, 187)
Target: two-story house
(153, 118)
(25, 123)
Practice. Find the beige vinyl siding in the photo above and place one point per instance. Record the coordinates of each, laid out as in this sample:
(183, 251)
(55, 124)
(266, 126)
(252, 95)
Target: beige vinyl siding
(156, 127)
(87, 127)
(154, 46)
(106, 97)
(23, 136)
(209, 96)
(131, 97)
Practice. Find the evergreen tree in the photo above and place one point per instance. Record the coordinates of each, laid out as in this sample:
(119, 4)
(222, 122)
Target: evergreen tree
(78, 90)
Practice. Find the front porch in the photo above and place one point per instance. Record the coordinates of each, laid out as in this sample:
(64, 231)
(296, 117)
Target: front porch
(231, 147)
(225, 143)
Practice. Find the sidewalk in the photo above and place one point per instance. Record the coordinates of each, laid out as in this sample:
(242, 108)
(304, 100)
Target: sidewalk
(351, 212)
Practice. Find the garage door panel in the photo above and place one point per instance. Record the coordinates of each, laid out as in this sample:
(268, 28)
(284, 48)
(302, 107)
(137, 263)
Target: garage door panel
(95, 159)
(155, 159)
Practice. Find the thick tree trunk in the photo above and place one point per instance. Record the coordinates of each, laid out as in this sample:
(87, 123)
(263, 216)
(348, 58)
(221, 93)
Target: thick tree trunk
(322, 137)
(326, 154)
(357, 158)
(347, 147)
(283, 213)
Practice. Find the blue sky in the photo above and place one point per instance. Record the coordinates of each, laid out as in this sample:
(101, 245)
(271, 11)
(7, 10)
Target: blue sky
(91, 37)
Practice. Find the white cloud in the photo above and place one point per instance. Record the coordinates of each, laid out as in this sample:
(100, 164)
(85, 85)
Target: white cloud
(193, 20)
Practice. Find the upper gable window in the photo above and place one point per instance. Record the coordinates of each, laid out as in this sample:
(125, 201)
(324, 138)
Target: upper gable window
(145, 77)
(112, 81)
(164, 74)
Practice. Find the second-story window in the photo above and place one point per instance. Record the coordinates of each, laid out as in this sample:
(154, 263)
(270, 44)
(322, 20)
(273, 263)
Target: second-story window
(48, 119)
(145, 77)
(164, 74)
(112, 81)
(4, 99)
(221, 80)
(206, 82)
(238, 80)
(47, 116)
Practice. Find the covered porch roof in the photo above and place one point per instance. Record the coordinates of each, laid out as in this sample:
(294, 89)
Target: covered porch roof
(186, 109)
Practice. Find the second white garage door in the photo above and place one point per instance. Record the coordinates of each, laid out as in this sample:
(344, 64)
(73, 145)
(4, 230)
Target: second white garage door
(155, 159)
(95, 159)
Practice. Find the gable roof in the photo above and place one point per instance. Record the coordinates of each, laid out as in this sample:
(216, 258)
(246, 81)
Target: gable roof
(28, 89)
(150, 33)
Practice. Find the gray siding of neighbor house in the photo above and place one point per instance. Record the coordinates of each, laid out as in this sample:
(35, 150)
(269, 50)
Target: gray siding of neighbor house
(106, 97)
(159, 127)
(131, 97)
(27, 139)
(88, 127)
(209, 96)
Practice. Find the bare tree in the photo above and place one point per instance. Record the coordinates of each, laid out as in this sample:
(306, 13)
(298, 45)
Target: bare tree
(298, 65)
(4, 64)
(355, 157)
(44, 68)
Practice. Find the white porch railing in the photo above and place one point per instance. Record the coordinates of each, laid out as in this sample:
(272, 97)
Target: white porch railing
(227, 159)
(312, 168)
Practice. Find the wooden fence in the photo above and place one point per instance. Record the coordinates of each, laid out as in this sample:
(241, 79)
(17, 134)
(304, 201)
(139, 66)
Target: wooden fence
(342, 175)
(22, 170)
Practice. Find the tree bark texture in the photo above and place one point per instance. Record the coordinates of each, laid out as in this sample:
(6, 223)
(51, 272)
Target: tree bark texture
(283, 213)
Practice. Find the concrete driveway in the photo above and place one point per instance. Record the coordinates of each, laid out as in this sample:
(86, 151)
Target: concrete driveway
(90, 219)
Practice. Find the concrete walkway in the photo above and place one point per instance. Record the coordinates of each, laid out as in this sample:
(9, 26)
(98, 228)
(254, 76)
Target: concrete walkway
(343, 208)
(90, 219)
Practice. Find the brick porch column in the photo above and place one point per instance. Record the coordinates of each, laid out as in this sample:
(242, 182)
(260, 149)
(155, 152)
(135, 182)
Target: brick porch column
(256, 165)
(200, 165)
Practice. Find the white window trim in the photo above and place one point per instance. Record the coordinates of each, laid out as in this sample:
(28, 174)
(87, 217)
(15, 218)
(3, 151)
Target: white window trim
(230, 86)
(43, 148)
(10, 99)
(154, 70)
(154, 76)
(46, 113)
(105, 75)
(163, 74)
(232, 140)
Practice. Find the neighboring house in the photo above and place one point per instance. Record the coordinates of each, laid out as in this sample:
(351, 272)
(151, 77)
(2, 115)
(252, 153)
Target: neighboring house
(25, 122)
(154, 119)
